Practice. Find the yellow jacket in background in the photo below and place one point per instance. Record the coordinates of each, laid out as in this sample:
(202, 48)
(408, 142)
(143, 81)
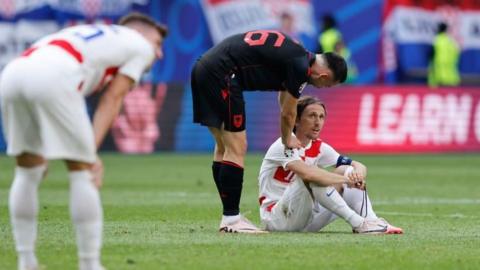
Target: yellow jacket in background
(444, 65)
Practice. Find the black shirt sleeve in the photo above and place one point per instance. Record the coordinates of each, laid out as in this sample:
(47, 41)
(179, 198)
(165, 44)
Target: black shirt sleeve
(297, 75)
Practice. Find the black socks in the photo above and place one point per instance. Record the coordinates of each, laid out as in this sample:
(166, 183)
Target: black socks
(228, 177)
(216, 165)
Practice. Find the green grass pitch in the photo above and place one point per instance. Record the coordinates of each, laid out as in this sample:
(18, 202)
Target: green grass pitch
(162, 212)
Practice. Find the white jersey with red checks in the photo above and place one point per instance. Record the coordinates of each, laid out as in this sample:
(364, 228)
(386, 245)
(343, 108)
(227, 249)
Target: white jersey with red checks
(102, 50)
(274, 177)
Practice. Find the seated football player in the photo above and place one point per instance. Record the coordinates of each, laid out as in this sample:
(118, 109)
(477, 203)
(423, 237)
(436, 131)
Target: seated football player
(298, 194)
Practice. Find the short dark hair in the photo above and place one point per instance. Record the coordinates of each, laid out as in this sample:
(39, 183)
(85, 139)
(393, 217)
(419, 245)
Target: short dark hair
(304, 102)
(142, 18)
(286, 15)
(337, 65)
(442, 27)
(328, 21)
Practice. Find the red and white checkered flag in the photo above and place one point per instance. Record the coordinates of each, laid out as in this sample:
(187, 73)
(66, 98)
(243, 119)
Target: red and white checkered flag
(91, 8)
(452, 16)
(7, 8)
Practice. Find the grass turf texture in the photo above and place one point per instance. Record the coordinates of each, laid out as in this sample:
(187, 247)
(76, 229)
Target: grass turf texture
(162, 212)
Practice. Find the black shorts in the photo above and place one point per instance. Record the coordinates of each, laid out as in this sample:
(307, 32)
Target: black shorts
(217, 103)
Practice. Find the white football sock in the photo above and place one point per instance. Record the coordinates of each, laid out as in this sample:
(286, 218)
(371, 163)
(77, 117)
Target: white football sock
(321, 218)
(329, 198)
(359, 201)
(23, 202)
(87, 216)
(230, 219)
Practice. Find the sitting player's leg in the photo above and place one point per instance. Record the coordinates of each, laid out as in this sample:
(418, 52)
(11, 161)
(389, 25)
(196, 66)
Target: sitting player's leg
(356, 199)
(329, 198)
(359, 201)
(292, 212)
(23, 202)
(321, 217)
(87, 215)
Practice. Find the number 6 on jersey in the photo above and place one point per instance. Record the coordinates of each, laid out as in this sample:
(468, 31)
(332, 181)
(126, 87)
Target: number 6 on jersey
(258, 38)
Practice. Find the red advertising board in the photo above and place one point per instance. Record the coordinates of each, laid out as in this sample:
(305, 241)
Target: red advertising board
(401, 119)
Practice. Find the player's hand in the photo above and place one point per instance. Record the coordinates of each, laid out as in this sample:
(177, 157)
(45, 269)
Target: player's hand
(97, 173)
(361, 185)
(356, 180)
(293, 143)
(360, 169)
(350, 182)
(45, 173)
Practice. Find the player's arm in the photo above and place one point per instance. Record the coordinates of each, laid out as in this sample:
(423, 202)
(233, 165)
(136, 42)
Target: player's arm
(360, 169)
(318, 175)
(142, 55)
(359, 173)
(107, 109)
(288, 115)
(110, 105)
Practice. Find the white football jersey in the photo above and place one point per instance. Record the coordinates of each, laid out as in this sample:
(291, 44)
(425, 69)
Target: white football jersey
(105, 50)
(274, 177)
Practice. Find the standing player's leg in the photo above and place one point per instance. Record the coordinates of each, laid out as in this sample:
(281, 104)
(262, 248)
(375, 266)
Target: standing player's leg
(87, 214)
(23, 204)
(67, 134)
(231, 171)
(78, 150)
(234, 137)
(231, 182)
(217, 155)
(23, 141)
(208, 105)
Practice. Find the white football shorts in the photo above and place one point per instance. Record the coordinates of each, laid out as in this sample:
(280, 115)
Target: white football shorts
(42, 110)
(296, 211)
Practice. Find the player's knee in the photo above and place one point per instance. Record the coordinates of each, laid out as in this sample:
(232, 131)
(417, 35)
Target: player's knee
(219, 149)
(238, 147)
(29, 160)
(339, 188)
(77, 165)
(342, 169)
(235, 153)
(241, 148)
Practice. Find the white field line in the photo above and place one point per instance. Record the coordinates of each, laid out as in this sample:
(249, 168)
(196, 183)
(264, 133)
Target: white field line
(397, 201)
(418, 201)
(456, 215)
(185, 194)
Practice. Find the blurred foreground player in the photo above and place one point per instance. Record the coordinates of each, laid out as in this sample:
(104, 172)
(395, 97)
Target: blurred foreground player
(262, 60)
(297, 194)
(44, 115)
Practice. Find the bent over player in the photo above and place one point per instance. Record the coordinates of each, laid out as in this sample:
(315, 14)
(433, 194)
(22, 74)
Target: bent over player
(262, 60)
(297, 195)
(44, 115)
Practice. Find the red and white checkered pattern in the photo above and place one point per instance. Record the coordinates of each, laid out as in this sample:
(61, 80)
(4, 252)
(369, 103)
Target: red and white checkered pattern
(7, 8)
